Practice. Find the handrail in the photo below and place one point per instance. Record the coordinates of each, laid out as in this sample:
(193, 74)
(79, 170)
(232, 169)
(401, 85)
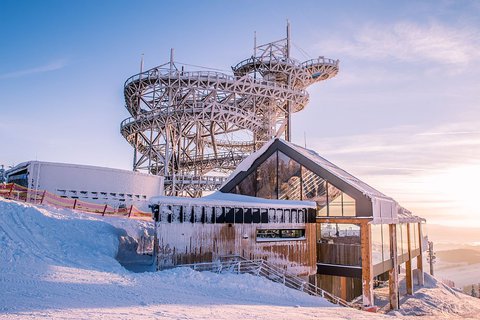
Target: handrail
(261, 267)
(203, 75)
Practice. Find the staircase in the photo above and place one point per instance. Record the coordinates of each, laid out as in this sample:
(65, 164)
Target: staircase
(261, 268)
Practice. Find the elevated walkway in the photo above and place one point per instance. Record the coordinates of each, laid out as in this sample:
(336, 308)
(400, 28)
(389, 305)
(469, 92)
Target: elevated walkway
(261, 268)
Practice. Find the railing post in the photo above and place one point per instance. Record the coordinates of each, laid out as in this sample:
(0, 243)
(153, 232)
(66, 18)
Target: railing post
(104, 210)
(74, 203)
(11, 190)
(130, 211)
(43, 196)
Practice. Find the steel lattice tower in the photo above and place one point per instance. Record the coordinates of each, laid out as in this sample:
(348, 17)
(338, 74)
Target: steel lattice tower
(189, 125)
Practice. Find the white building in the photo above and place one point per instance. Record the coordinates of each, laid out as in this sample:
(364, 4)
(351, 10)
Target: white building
(115, 187)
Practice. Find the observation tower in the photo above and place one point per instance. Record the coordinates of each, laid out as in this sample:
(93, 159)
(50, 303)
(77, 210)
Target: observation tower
(194, 127)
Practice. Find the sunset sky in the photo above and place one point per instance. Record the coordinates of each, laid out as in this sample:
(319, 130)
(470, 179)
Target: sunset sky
(403, 114)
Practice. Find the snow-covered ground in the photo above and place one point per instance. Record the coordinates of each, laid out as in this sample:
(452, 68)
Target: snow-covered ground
(62, 264)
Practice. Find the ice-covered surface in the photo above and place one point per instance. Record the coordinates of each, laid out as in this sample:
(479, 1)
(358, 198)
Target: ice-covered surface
(229, 199)
(61, 264)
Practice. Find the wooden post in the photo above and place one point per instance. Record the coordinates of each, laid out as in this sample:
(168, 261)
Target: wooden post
(393, 273)
(130, 211)
(367, 268)
(11, 190)
(104, 210)
(421, 278)
(43, 196)
(408, 264)
(74, 203)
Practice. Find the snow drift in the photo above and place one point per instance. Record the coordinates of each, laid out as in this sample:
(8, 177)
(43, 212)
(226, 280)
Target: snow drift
(62, 264)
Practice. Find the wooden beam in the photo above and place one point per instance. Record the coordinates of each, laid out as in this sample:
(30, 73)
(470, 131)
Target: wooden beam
(393, 272)
(367, 268)
(352, 220)
(421, 278)
(408, 264)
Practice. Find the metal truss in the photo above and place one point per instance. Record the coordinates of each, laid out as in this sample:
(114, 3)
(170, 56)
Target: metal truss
(186, 124)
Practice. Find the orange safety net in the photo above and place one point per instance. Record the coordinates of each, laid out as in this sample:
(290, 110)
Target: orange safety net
(20, 193)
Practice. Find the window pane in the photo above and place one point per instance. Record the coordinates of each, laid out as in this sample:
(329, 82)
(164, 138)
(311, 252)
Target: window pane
(404, 239)
(267, 178)
(334, 201)
(399, 240)
(377, 246)
(386, 241)
(314, 189)
(247, 185)
(348, 206)
(280, 234)
(339, 244)
(288, 178)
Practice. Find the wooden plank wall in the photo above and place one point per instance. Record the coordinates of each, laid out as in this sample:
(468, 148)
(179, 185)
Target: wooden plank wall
(182, 243)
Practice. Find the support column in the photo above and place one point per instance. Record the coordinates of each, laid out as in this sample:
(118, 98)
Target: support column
(393, 273)
(421, 278)
(408, 264)
(367, 269)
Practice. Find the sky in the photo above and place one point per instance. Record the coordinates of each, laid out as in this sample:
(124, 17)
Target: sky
(403, 114)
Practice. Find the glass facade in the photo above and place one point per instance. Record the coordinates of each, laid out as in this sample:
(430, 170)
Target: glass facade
(381, 243)
(266, 185)
(289, 178)
(281, 177)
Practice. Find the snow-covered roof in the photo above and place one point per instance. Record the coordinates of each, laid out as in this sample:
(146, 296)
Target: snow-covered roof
(234, 200)
(25, 164)
(406, 216)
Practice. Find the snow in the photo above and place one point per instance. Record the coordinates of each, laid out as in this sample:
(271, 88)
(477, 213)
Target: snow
(57, 263)
(229, 199)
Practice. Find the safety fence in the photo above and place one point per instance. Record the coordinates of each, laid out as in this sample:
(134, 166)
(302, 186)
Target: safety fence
(16, 192)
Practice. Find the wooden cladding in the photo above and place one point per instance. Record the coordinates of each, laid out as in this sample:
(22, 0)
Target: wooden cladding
(339, 254)
(181, 243)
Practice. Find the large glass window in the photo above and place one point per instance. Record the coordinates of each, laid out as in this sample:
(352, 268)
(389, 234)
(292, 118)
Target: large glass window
(377, 243)
(399, 240)
(386, 242)
(267, 178)
(348, 205)
(247, 185)
(334, 201)
(404, 239)
(289, 178)
(415, 241)
(339, 244)
(280, 234)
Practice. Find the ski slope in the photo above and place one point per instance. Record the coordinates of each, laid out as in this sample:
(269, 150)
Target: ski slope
(62, 264)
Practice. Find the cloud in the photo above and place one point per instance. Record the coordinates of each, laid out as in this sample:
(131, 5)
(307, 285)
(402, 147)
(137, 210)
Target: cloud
(55, 65)
(432, 171)
(411, 42)
(405, 149)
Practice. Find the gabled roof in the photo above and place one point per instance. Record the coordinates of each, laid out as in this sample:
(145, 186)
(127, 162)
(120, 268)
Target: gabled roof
(383, 208)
